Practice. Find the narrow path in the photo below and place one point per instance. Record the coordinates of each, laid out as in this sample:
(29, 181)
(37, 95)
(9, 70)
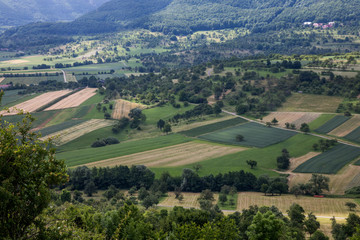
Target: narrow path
(64, 74)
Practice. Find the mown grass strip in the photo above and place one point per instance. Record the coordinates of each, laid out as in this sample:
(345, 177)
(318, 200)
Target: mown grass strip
(213, 127)
(354, 135)
(88, 155)
(332, 124)
(255, 135)
(331, 161)
(60, 127)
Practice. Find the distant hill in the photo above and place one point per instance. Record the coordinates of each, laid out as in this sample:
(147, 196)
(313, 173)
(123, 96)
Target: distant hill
(182, 17)
(20, 12)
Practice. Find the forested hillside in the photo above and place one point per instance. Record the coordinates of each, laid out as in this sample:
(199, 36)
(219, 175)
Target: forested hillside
(15, 13)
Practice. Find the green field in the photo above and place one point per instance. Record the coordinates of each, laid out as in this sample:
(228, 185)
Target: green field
(320, 121)
(213, 127)
(11, 96)
(59, 127)
(32, 80)
(255, 135)
(331, 161)
(332, 124)
(297, 146)
(164, 112)
(40, 117)
(354, 135)
(88, 155)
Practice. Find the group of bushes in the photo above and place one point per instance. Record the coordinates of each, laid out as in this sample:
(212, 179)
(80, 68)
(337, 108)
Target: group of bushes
(105, 142)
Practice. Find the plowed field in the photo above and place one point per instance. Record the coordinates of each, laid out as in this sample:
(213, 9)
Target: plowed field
(74, 100)
(37, 102)
(122, 108)
(177, 155)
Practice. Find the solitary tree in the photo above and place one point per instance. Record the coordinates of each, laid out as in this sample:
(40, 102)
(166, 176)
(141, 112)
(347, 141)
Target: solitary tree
(252, 163)
(239, 138)
(350, 205)
(274, 121)
(304, 128)
(167, 128)
(160, 124)
(319, 183)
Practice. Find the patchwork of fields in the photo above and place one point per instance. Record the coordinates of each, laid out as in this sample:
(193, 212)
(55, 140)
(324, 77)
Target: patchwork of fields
(122, 108)
(354, 135)
(347, 127)
(296, 118)
(332, 124)
(255, 135)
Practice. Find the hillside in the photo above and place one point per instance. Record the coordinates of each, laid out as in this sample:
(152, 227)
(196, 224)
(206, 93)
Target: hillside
(15, 13)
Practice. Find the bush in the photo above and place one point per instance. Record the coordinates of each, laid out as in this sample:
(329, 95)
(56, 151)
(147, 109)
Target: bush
(104, 142)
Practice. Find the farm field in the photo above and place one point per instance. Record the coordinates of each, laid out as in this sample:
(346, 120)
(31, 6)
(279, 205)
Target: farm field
(177, 155)
(255, 135)
(194, 132)
(89, 155)
(296, 118)
(189, 200)
(164, 112)
(59, 127)
(354, 135)
(265, 157)
(32, 80)
(331, 161)
(300, 102)
(347, 127)
(76, 131)
(74, 100)
(321, 120)
(332, 124)
(122, 108)
(35, 103)
(11, 96)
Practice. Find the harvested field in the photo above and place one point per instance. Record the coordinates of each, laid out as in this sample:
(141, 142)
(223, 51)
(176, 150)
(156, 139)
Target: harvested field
(332, 124)
(296, 118)
(331, 161)
(74, 100)
(295, 162)
(318, 206)
(177, 155)
(35, 103)
(347, 127)
(76, 131)
(189, 201)
(59, 127)
(122, 108)
(255, 135)
(17, 61)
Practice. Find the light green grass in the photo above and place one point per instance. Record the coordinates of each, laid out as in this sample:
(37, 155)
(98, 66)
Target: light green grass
(320, 121)
(227, 205)
(88, 155)
(64, 115)
(93, 100)
(165, 112)
(95, 114)
(14, 100)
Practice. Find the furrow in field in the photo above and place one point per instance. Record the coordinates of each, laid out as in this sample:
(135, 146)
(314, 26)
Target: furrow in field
(122, 108)
(347, 127)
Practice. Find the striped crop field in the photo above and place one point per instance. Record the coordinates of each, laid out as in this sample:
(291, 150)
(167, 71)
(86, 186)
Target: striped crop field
(331, 161)
(332, 124)
(74, 100)
(59, 127)
(255, 135)
(122, 108)
(69, 134)
(354, 135)
(296, 118)
(213, 127)
(347, 127)
(36, 103)
(177, 155)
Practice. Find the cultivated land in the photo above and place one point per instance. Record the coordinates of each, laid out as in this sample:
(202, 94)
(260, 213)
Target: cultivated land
(332, 124)
(10, 96)
(69, 134)
(74, 100)
(347, 127)
(37, 102)
(255, 135)
(296, 118)
(354, 135)
(190, 200)
(330, 161)
(59, 127)
(122, 108)
(177, 155)
(300, 102)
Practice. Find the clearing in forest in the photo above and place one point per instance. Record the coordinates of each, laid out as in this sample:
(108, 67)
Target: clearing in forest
(122, 108)
(300, 102)
(35, 103)
(74, 100)
(347, 127)
(318, 206)
(69, 134)
(296, 118)
(190, 200)
(177, 155)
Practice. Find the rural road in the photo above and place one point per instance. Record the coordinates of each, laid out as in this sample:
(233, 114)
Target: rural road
(64, 75)
(297, 131)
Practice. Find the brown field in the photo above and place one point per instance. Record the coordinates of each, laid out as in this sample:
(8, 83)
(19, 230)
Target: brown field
(69, 134)
(295, 162)
(319, 206)
(123, 107)
(300, 102)
(178, 155)
(1, 79)
(74, 100)
(296, 118)
(189, 201)
(347, 127)
(35, 103)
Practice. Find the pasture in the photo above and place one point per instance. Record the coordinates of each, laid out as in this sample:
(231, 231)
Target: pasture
(35, 103)
(89, 155)
(194, 132)
(74, 100)
(122, 108)
(332, 124)
(347, 127)
(177, 155)
(331, 161)
(296, 118)
(300, 102)
(354, 135)
(255, 135)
